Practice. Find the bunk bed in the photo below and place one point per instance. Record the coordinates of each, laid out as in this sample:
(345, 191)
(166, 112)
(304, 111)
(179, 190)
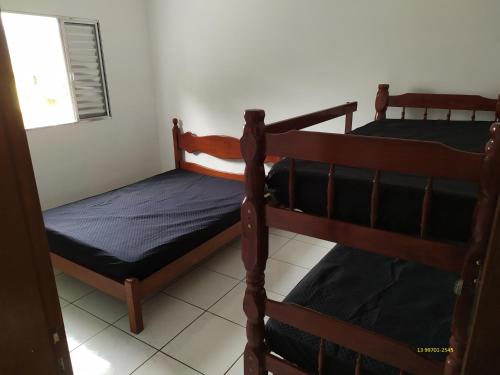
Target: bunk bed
(133, 241)
(396, 295)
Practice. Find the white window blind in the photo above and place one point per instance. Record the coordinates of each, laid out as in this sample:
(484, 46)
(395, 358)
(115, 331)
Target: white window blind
(86, 68)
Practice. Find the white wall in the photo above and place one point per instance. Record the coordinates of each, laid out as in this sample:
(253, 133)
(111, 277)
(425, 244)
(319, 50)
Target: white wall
(76, 161)
(212, 59)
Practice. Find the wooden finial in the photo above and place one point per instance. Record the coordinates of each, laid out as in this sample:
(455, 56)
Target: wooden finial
(175, 136)
(382, 101)
(254, 116)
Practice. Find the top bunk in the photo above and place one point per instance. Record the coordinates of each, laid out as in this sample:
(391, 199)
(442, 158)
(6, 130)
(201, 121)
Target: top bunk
(400, 192)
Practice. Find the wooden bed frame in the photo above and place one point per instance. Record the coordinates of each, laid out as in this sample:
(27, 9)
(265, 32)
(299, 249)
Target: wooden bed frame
(430, 159)
(132, 291)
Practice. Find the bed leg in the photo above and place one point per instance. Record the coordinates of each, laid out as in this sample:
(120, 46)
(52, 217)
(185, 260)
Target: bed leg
(133, 295)
(254, 241)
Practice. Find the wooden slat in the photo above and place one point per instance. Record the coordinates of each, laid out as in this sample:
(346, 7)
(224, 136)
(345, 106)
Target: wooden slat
(330, 195)
(445, 256)
(448, 115)
(387, 154)
(359, 365)
(353, 337)
(443, 101)
(310, 119)
(473, 118)
(375, 198)
(215, 145)
(291, 184)
(425, 114)
(219, 146)
(193, 167)
(403, 113)
(426, 207)
(282, 367)
(321, 357)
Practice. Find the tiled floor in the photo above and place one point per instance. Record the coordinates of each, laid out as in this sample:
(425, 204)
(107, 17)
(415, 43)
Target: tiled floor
(194, 326)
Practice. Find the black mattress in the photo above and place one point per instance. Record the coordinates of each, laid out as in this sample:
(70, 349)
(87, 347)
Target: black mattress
(400, 195)
(136, 230)
(403, 300)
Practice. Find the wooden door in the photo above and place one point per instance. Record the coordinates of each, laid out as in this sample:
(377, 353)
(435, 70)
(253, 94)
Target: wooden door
(32, 338)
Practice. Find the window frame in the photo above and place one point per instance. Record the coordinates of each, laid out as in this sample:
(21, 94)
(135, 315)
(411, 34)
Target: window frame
(64, 42)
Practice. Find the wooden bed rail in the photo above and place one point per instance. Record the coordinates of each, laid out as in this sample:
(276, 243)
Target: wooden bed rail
(353, 337)
(397, 155)
(450, 102)
(442, 255)
(304, 121)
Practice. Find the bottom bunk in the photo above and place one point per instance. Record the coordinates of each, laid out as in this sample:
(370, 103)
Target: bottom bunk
(399, 299)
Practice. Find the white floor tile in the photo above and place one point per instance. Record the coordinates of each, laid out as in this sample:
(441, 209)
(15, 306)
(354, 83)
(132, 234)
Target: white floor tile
(237, 368)
(301, 254)
(161, 364)
(164, 317)
(276, 243)
(103, 306)
(71, 289)
(80, 325)
(228, 262)
(315, 241)
(56, 271)
(110, 352)
(282, 277)
(282, 233)
(231, 305)
(210, 345)
(201, 287)
(63, 302)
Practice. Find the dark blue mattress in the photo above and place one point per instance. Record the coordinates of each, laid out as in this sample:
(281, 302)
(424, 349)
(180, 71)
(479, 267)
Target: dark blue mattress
(401, 195)
(404, 300)
(136, 230)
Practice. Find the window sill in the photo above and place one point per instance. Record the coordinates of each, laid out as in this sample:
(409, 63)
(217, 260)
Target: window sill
(80, 122)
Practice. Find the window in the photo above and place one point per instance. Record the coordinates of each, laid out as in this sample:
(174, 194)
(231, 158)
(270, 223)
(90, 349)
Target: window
(58, 67)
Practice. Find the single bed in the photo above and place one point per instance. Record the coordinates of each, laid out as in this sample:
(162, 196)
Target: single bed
(133, 241)
(379, 310)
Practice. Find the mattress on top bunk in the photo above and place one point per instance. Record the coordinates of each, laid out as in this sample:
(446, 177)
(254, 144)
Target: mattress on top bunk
(136, 230)
(400, 195)
(403, 300)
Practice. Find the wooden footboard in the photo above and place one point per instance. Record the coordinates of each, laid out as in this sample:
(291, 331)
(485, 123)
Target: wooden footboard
(428, 159)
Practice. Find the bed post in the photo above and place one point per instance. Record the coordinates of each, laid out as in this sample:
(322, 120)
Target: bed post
(175, 135)
(484, 214)
(382, 101)
(133, 296)
(254, 240)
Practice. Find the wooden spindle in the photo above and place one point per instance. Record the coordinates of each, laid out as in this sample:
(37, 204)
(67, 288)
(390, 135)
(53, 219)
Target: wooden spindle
(448, 115)
(425, 114)
(426, 207)
(291, 184)
(375, 198)
(330, 191)
(321, 357)
(473, 118)
(359, 366)
(403, 113)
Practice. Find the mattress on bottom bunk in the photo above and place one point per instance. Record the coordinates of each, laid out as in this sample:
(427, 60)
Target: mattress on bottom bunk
(403, 300)
(400, 195)
(136, 230)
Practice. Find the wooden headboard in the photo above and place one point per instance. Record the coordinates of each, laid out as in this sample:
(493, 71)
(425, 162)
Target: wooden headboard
(434, 101)
(219, 146)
